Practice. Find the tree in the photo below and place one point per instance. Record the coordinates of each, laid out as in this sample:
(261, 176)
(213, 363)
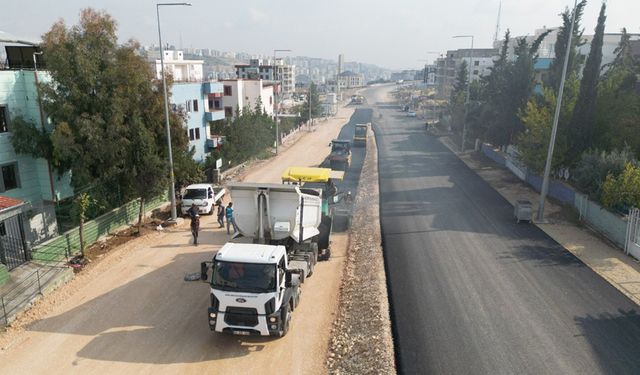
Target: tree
(537, 118)
(247, 135)
(107, 112)
(316, 107)
(508, 89)
(582, 124)
(618, 101)
(562, 43)
(458, 98)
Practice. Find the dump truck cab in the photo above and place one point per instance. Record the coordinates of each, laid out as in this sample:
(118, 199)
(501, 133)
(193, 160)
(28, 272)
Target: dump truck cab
(253, 290)
(340, 157)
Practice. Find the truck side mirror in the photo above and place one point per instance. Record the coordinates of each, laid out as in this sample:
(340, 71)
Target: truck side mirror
(287, 278)
(203, 271)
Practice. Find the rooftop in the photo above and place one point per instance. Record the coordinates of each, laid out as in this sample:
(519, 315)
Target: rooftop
(250, 253)
(6, 202)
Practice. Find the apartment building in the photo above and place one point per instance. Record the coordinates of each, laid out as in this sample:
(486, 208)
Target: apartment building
(242, 93)
(349, 79)
(182, 70)
(270, 70)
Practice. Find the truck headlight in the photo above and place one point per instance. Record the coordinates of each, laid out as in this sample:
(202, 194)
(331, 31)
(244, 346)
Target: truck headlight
(273, 319)
(212, 322)
(212, 315)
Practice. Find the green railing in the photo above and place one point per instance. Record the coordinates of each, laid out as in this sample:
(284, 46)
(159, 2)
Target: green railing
(67, 244)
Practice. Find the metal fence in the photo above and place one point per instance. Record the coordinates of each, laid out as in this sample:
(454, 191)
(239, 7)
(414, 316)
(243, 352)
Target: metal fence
(13, 300)
(50, 258)
(632, 241)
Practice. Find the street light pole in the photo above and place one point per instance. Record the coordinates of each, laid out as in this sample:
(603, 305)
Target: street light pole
(556, 117)
(172, 193)
(466, 106)
(275, 95)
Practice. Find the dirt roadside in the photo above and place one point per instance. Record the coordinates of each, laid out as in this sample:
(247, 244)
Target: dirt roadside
(133, 313)
(362, 342)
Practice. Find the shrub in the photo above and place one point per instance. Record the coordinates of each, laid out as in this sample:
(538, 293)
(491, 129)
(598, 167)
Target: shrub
(595, 166)
(622, 192)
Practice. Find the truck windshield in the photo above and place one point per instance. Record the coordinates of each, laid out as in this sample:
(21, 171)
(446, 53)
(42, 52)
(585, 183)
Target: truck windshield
(361, 131)
(244, 277)
(195, 194)
(340, 147)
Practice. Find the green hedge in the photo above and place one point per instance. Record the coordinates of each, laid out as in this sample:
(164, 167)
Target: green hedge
(68, 243)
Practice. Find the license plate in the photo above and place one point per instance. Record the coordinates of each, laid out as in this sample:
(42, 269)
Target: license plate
(242, 333)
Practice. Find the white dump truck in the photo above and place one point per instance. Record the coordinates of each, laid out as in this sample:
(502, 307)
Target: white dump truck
(255, 287)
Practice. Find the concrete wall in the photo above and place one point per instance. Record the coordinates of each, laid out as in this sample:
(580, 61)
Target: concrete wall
(613, 226)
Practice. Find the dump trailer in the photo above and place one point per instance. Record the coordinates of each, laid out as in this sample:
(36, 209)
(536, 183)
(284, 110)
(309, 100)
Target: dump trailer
(340, 157)
(360, 134)
(256, 286)
(333, 200)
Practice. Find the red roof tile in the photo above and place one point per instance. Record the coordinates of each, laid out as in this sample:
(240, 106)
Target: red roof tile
(6, 202)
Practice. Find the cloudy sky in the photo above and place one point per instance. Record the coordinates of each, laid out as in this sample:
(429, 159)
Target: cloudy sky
(394, 34)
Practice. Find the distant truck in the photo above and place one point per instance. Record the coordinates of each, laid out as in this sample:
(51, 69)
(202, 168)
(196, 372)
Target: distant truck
(357, 99)
(360, 134)
(255, 286)
(204, 196)
(340, 157)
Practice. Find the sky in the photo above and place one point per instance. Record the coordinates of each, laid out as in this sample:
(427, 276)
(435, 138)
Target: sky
(398, 34)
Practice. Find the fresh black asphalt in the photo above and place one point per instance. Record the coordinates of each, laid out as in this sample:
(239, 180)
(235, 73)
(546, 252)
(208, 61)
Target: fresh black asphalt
(471, 291)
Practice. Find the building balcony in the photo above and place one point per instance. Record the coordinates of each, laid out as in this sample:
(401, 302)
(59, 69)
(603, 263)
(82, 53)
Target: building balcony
(215, 115)
(213, 88)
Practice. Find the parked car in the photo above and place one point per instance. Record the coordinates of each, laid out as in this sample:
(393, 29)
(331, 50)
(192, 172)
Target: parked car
(411, 114)
(204, 196)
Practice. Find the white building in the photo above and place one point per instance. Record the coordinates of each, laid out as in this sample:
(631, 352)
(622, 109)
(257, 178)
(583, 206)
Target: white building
(349, 79)
(270, 70)
(241, 93)
(330, 105)
(182, 70)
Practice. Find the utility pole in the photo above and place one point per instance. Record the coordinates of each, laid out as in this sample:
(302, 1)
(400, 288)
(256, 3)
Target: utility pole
(556, 117)
(172, 194)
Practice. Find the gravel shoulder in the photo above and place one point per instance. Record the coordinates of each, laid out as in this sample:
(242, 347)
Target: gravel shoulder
(362, 341)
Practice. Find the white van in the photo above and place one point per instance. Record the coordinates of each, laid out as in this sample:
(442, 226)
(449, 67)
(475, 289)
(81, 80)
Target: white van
(204, 196)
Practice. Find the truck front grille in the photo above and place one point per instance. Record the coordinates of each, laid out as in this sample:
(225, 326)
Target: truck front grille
(241, 316)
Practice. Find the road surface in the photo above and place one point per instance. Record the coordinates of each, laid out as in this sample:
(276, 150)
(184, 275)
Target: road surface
(472, 292)
(134, 314)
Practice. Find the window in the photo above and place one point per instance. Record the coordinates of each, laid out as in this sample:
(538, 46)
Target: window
(191, 135)
(195, 105)
(187, 106)
(9, 177)
(217, 105)
(228, 111)
(476, 63)
(197, 133)
(3, 229)
(227, 91)
(4, 119)
(270, 100)
(475, 72)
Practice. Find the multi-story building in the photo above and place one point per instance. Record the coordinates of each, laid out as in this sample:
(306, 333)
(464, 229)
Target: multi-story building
(29, 187)
(182, 70)
(447, 67)
(202, 103)
(349, 79)
(270, 70)
(243, 93)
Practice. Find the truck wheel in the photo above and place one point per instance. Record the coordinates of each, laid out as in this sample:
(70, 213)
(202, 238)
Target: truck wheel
(286, 321)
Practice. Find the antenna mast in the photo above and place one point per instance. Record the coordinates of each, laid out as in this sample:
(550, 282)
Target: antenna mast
(497, 34)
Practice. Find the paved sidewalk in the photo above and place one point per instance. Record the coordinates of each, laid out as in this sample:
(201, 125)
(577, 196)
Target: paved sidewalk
(622, 271)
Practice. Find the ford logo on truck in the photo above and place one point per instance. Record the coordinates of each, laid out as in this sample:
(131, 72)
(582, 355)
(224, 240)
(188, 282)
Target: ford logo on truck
(241, 300)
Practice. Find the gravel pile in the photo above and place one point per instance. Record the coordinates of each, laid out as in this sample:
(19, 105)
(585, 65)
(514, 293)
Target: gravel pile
(361, 341)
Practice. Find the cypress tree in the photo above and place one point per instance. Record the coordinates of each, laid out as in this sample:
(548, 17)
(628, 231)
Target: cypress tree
(582, 125)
